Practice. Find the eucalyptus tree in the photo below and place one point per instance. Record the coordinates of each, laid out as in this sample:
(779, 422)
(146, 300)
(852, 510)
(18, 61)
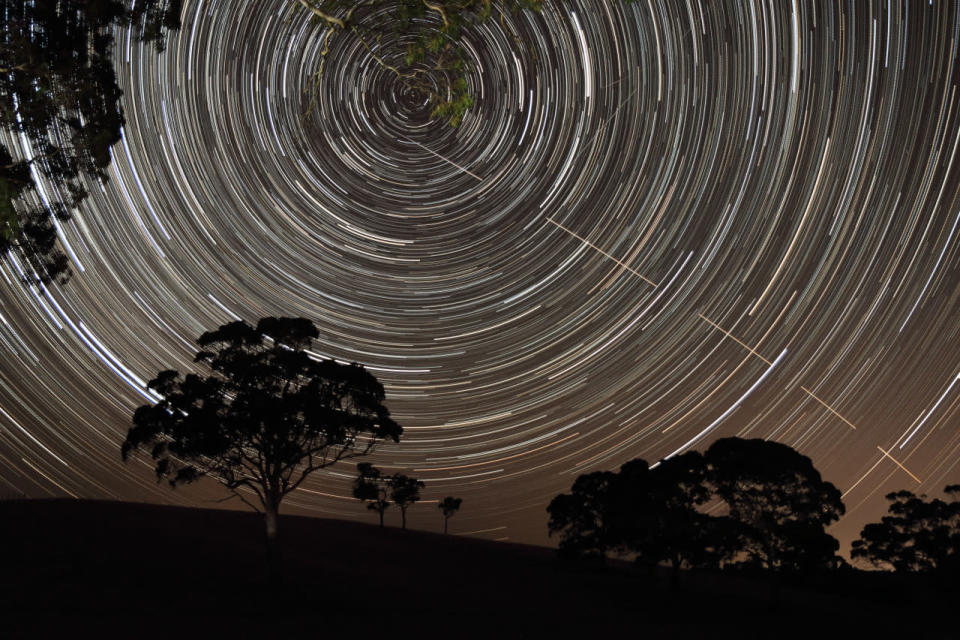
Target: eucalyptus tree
(268, 415)
(426, 56)
(404, 491)
(780, 501)
(372, 487)
(918, 534)
(449, 506)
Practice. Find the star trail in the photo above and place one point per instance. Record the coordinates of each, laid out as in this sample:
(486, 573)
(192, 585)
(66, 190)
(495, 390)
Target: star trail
(662, 223)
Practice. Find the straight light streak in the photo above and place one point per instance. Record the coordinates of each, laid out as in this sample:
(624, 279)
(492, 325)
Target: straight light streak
(900, 465)
(598, 249)
(731, 336)
(464, 169)
(850, 424)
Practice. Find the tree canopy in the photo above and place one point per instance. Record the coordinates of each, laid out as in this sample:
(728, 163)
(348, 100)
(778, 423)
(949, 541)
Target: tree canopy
(775, 501)
(449, 506)
(425, 55)
(267, 417)
(404, 491)
(779, 500)
(918, 534)
(58, 90)
(372, 487)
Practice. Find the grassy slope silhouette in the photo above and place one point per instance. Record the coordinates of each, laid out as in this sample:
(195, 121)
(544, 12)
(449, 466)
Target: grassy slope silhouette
(137, 570)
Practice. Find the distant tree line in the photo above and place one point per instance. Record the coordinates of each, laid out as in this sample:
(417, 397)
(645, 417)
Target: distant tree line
(268, 414)
(917, 535)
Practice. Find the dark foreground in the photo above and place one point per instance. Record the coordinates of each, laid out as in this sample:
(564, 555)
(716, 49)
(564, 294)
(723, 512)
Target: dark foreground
(108, 569)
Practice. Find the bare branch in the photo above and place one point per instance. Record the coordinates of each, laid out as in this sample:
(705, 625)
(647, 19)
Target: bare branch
(438, 9)
(331, 20)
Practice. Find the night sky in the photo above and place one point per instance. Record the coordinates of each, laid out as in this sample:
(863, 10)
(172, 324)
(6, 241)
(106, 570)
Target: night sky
(663, 223)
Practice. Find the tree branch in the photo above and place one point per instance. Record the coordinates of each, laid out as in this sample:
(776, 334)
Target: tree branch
(331, 20)
(438, 9)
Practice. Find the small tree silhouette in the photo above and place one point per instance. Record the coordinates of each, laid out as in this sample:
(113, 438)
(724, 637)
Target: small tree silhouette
(918, 534)
(404, 491)
(371, 486)
(449, 506)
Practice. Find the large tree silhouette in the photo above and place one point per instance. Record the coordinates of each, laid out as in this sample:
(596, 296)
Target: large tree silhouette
(59, 93)
(672, 527)
(917, 534)
(780, 502)
(267, 417)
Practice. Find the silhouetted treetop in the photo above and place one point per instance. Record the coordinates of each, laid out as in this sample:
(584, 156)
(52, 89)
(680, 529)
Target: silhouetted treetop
(780, 500)
(583, 517)
(918, 534)
(776, 508)
(449, 506)
(372, 487)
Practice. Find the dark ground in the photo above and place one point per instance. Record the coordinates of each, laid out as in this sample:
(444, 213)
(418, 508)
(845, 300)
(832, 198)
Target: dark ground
(108, 569)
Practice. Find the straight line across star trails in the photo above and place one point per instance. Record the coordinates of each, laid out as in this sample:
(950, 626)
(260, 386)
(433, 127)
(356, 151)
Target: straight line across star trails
(897, 462)
(599, 250)
(448, 160)
(754, 352)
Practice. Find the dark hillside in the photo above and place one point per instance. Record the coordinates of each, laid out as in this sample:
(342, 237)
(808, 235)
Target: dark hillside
(84, 568)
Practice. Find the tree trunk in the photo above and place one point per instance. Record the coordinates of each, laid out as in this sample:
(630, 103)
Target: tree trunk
(381, 517)
(776, 579)
(445, 521)
(403, 518)
(273, 553)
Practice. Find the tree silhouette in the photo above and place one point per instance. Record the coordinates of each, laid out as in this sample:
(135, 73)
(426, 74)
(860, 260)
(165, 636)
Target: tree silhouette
(583, 517)
(648, 514)
(667, 524)
(58, 91)
(780, 502)
(449, 506)
(918, 534)
(371, 486)
(268, 417)
(404, 491)
(777, 508)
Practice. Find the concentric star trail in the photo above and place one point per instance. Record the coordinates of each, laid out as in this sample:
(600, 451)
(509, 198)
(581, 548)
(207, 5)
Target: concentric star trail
(549, 288)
